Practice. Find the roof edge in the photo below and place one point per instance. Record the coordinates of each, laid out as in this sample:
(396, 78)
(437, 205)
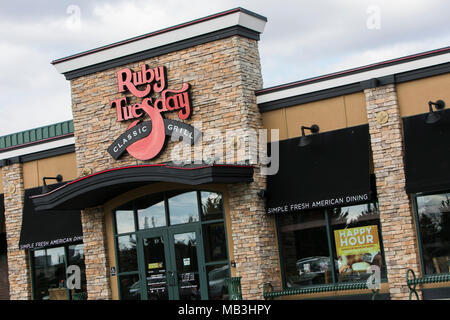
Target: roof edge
(158, 32)
(346, 72)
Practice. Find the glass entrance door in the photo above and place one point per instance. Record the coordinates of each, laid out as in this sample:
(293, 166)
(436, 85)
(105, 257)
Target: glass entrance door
(171, 264)
(155, 275)
(187, 262)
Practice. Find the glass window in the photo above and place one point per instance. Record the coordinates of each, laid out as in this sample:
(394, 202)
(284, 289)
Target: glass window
(126, 252)
(304, 248)
(76, 257)
(50, 273)
(183, 208)
(212, 205)
(125, 221)
(165, 209)
(214, 242)
(151, 212)
(155, 265)
(434, 226)
(187, 266)
(357, 245)
(130, 287)
(351, 235)
(217, 281)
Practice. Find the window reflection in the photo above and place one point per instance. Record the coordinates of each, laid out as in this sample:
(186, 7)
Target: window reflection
(214, 242)
(127, 255)
(187, 266)
(357, 243)
(125, 221)
(352, 237)
(304, 249)
(217, 281)
(130, 287)
(161, 210)
(151, 212)
(434, 225)
(50, 273)
(183, 208)
(212, 205)
(76, 257)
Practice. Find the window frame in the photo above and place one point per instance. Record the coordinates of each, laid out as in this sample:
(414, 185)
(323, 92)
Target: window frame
(417, 227)
(330, 242)
(200, 222)
(32, 266)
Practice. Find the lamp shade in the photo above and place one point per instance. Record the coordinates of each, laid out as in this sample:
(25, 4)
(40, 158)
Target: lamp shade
(304, 141)
(432, 117)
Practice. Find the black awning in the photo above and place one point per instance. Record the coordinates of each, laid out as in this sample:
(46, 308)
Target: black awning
(332, 171)
(427, 153)
(48, 228)
(97, 188)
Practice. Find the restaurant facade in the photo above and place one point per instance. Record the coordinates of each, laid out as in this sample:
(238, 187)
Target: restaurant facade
(180, 171)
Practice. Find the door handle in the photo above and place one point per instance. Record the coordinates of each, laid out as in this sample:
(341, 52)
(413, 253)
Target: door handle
(170, 278)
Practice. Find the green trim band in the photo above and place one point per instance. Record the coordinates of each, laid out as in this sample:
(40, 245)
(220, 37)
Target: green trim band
(36, 135)
(316, 289)
(436, 278)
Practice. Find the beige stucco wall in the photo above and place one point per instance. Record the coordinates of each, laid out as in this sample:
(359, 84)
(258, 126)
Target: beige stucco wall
(413, 96)
(34, 171)
(329, 114)
(349, 110)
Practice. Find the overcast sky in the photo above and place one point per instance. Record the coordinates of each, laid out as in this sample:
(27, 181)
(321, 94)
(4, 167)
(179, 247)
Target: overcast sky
(302, 39)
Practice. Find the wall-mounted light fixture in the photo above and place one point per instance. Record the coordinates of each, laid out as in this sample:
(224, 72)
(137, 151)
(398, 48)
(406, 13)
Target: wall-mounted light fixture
(306, 140)
(433, 116)
(262, 193)
(58, 178)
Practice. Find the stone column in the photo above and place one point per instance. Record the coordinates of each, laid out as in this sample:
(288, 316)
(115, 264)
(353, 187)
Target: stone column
(253, 232)
(396, 212)
(18, 264)
(95, 254)
(254, 239)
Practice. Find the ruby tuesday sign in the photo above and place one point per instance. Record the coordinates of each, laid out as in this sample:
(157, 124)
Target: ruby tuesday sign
(144, 138)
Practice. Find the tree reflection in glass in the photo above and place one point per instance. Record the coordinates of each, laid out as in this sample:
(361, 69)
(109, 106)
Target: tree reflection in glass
(127, 254)
(183, 208)
(212, 205)
(434, 225)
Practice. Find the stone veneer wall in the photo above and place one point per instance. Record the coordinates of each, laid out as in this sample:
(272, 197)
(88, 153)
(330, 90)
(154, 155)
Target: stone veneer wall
(18, 264)
(223, 75)
(396, 212)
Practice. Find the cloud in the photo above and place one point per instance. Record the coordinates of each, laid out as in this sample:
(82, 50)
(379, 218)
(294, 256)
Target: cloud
(301, 40)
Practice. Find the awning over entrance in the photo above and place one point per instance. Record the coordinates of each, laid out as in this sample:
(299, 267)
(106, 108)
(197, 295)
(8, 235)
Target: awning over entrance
(427, 153)
(333, 170)
(97, 188)
(44, 229)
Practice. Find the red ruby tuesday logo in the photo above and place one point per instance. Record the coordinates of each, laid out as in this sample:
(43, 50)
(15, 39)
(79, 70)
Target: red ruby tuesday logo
(144, 140)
